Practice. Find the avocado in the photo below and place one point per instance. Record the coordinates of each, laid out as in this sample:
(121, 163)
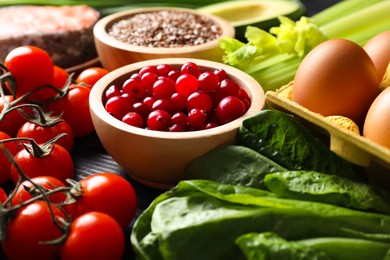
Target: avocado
(260, 13)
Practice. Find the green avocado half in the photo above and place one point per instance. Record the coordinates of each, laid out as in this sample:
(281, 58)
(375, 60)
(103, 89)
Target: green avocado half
(260, 13)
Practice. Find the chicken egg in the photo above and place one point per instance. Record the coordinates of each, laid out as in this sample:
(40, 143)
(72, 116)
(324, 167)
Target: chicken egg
(377, 123)
(336, 78)
(378, 48)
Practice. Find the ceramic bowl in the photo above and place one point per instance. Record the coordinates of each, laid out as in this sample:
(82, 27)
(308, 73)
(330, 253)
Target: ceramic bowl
(114, 53)
(157, 158)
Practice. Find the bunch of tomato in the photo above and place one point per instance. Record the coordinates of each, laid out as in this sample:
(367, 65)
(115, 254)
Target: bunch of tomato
(47, 214)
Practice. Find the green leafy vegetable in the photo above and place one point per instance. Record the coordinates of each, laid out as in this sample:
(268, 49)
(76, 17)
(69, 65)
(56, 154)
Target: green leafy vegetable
(332, 189)
(268, 246)
(202, 219)
(281, 138)
(233, 164)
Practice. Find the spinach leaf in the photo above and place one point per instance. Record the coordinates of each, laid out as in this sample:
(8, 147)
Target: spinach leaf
(314, 186)
(281, 138)
(233, 164)
(268, 246)
(201, 219)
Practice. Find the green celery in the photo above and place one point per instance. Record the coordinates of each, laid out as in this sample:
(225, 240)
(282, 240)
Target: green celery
(340, 10)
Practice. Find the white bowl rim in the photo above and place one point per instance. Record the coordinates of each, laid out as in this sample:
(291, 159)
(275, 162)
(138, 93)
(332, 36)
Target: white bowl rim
(100, 32)
(257, 99)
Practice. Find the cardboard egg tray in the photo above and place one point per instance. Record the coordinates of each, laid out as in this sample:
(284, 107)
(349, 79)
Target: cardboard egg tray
(372, 157)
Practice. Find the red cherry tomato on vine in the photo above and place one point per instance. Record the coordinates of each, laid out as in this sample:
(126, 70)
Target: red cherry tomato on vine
(108, 193)
(75, 109)
(90, 76)
(42, 134)
(31, 67)
(94, 235)
(5, 168)
(31, 226)
(23, 192)
(60, 77)
(12, 121)
(3, 196)
(58, 164)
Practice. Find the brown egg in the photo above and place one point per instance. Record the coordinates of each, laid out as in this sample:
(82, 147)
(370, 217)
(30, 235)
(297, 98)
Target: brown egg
(378, 48)
(377, 123)
(336, 78)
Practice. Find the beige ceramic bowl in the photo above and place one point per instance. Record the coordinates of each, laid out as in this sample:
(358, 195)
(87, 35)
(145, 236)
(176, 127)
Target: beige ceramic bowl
(114, 53)
(156, 158)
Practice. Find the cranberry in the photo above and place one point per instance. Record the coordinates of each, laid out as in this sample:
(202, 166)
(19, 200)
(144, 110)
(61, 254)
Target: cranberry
(117, 106)
(163, 104)
(201, 100)
(159, 120)
(190, 68)
(163, 88)
(152, 69)
(133, 86)
(112, 91)
(178, 101)
(208, 81)
(186, 84)
(133, 119)
(221, 74)
(228, 109)
(164, 69)
(196, 118)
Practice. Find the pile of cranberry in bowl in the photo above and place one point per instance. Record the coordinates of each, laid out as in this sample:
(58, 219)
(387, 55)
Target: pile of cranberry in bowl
(156, 116)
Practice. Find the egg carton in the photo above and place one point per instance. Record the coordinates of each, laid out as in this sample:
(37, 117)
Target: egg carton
(351, 146)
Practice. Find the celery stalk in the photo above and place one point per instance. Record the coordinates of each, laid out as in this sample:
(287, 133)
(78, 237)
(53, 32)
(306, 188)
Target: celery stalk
(340, 10)
(361, 21)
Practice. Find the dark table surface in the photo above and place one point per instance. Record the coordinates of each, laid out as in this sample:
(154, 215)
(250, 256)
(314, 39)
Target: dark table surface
(90, 157)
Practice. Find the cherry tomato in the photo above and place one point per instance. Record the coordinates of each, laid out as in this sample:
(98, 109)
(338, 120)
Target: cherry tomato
(3, 196)
(94, 235)
(91, 75)
(12, 121)
(26, 189)
(31, 226)
(5, 169)
(42, 134)
(31, 67)
(60, 77)
(75, 109)
(109, 193)
(58, 164)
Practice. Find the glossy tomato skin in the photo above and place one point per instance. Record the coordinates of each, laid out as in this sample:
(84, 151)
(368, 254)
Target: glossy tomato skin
(108, 193)
(91, 75)
(32, 225)
(94, 235)
(58, 164)
(12, 121)
(46, 182)
(60, 77)
(42, 134)
(5, 168)
(31, 67)
(75, 109)
(3, 196)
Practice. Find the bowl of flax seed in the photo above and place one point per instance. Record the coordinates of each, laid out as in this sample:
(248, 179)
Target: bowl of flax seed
(151, 33)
